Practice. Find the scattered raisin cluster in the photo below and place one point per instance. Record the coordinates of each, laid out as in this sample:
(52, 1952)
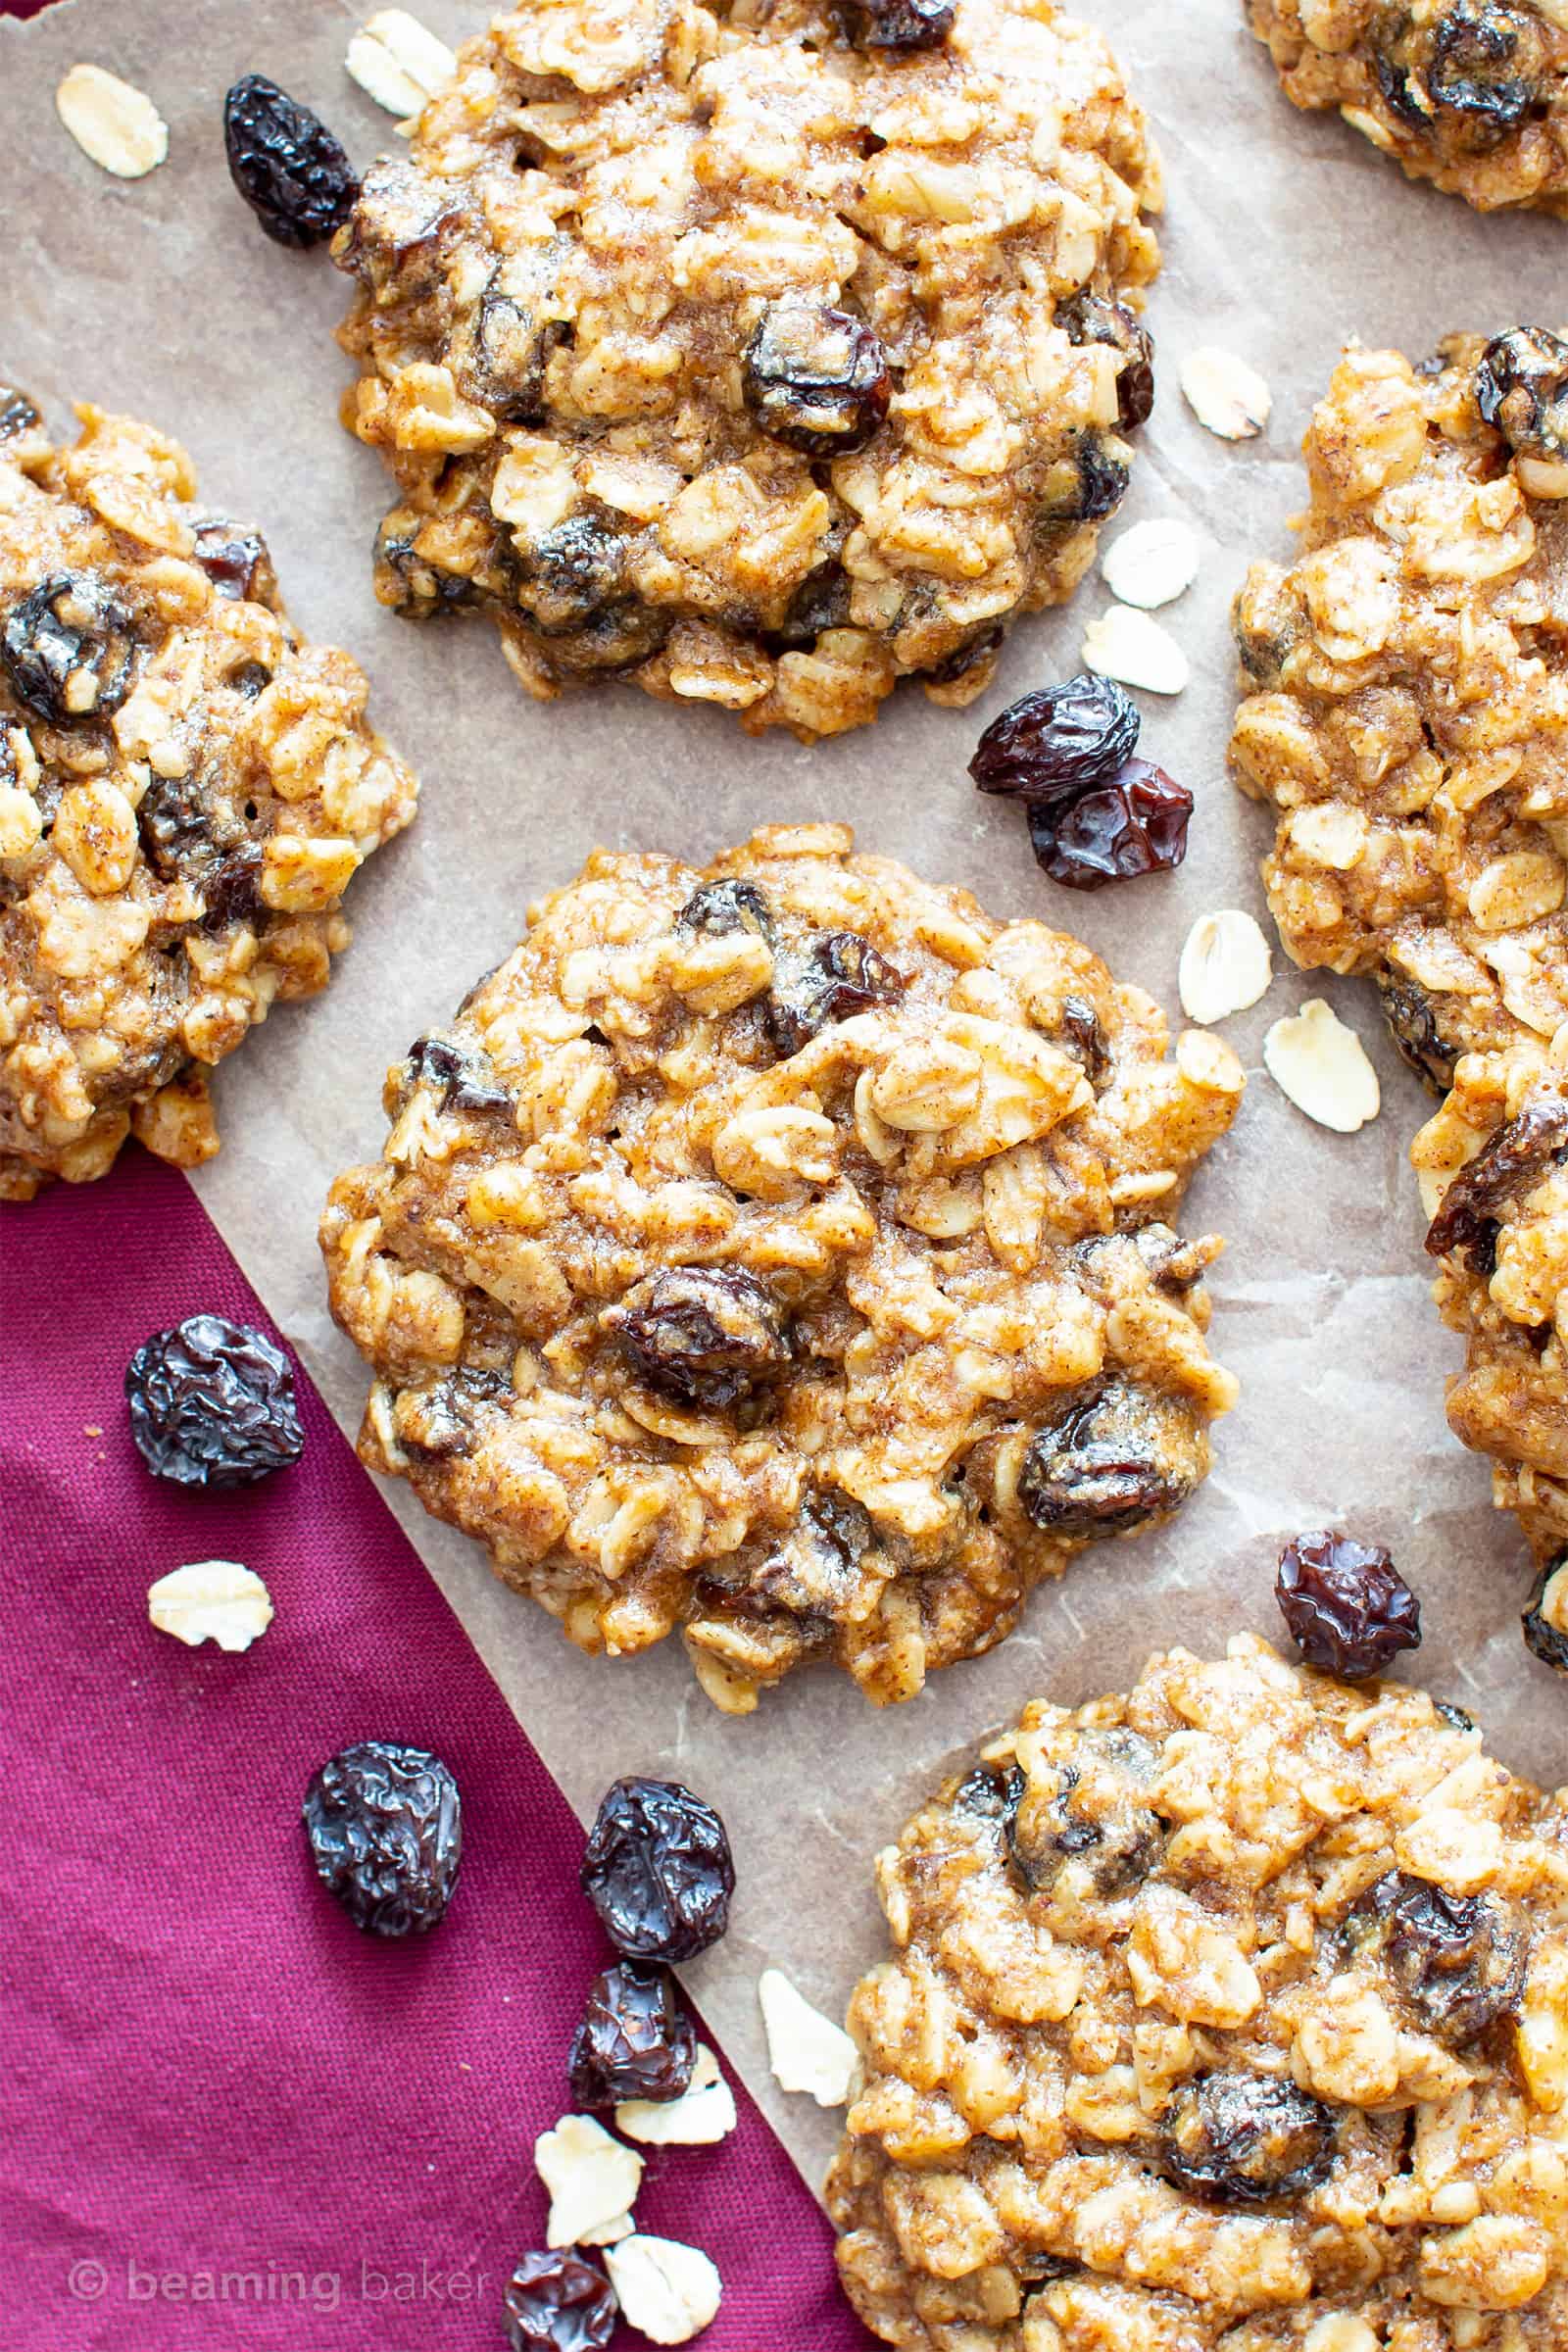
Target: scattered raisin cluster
(1097, 814)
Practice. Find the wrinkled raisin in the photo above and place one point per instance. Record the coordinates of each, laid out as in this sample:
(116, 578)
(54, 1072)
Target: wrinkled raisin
(1091, 318)
(1102, 1467)
(555, 2303)
(173, 818)
(1472, 70)
(1522, 389)
(815, 379)
(1099, 1823)
(820, 602)
(407, 581)
(1081, 1033)
(1413, 1027)
(385, 1829)
(1136, 824)
(18, 414)
(718, 910)
(991, 1793)
(658, 1871)
(635, 2040)
(900, 25)
(703, 1334)
(235, 560)
(460, 1074)
(834, 976)
(1057, 742)
(212, 1403)
(67, 648)
(1455, 1957)
(285, 163)
(1545, 1620)
(1348, 1609)
(1244, 2139)
(506, 373)
(1100, 487)
(573, 585)
(231, 892)
(442, 1419)
(1506, 1168)
(813, 1567)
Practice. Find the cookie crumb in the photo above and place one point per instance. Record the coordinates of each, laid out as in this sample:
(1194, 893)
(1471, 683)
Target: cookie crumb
(1226, 965)
(592, 2180)
(668, 2291)
(1228, 398)
(210, 1600)
(399, 61)
(1153, 563)
(1323, 1067)
(116, 126)
(702, 2115)
(806, 2050)
(1125, 644)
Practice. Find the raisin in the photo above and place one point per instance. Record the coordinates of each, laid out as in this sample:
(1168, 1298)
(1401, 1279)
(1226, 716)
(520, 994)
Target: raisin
(718, 910)
(398, 239)
(385, 1831)
(460, 1074)
(232, 892)
(285, 163)
(1348, 1609)
(1473, 71)
(1456, 1958)
(212, 1403)
(1081, 1033)
(635, 2042)
(1137, 824)
(703, 1334)
(991, 1793)
(1545, 1620)
(1522, 389)
(555, 2303)
(1455, 1717)
(1101, 1468)
(506, 373)
(835, 976)
(900, 25)
(409, 582)
(1243, 2138)
(443, 1420)
(18, 414)
(815, 1564)
(1102, 485)
(1507, 1168)
(967, 657)
(1091, 318)
(658, 1871)
(68, 649)
(1057, 742)
(1101, 1824)
(815, 379)
(1413, 1027)
(573, 587)
(173, 818)
(235, 560)
(820, 602)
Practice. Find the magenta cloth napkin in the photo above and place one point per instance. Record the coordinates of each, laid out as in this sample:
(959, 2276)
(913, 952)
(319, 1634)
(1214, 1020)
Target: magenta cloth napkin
(208, 2073)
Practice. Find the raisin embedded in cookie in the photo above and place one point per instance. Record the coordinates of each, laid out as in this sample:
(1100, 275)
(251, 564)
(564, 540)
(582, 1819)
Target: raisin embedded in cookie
(779, 1250)
(762, 355)
(185, 789)
(1469, 94)
(1230, 2013)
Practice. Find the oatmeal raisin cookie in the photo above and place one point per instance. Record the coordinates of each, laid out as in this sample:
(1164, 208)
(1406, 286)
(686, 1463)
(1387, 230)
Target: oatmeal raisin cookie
(1469, 94)
(1230, 2013)
(778, 1251)
(186, 790)
(762, 354)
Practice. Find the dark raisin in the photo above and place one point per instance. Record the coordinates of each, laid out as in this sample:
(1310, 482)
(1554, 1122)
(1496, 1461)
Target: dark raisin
(173, 819)
(555, 2303)
(718, 910)
(814, 1566)
(1348, 1609)
(1545, 1620)
(399, 236)
(702, 1335)
(1522, 389)
(991, 1793)
(1413, 1027)
(1137, 824)
(1057, 742)
(1102, 1467)
(900, 25)
(1506, 1168)
(249, 679)
(1471, 72)
(1456, 1958)
(635, 2040)
(815, 379)
(1100, 488)
(1091, 318)
(820, 602)
(967, 657)
(1081, 1033)
(571, 572)
(385, 1831)
(235, 560)
(443, 1420)
(658, 1871)
(285, 163)
(1243, 2138)
(18, 414)
(459, 1074)
(507, 371)
(68, 649)
(1455, 1717)
(834, 976)
(212, 1403)
(1094, 1820)
(407, 581)
(231, 892)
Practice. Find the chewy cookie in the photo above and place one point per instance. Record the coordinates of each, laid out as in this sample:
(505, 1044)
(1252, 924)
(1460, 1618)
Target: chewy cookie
(186, 790)
(778, 1251)
(762, 354)
(1469, 94)
(1233, 2012)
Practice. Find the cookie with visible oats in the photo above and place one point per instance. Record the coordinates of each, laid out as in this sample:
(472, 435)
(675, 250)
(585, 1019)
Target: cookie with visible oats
(1231, 2013)
(185, 789)
(762, 355)
(1469, 94)
(779, 1251)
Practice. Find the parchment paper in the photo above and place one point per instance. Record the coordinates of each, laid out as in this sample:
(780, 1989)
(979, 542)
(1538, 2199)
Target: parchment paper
(1285, 235)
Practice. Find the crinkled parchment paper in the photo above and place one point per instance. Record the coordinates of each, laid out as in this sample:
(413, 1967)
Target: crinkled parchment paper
(1285, 235)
